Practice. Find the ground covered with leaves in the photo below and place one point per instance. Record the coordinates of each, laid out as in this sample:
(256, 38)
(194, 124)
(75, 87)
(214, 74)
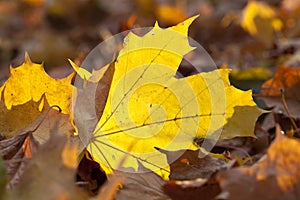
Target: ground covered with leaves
(148, 124)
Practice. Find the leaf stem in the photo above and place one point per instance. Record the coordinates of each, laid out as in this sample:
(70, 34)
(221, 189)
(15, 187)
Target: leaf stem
(287, 111)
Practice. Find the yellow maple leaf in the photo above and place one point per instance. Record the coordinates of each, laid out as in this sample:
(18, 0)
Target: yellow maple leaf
(30, 81)
(148, 108)
(260, 20)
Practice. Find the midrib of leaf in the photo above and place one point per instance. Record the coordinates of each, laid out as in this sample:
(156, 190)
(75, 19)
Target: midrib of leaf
(133, 85)
(127, 153)
(160, 122)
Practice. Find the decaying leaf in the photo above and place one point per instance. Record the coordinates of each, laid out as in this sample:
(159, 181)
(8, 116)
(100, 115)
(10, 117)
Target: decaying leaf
(190, 165)
(30, 82)
(110, 188)
(260, 20)
(202, 189)
(3, 178)
(148, 107)
(47, 120)
(275, 177)
(89, 172)
(27, 117)
(87, 107)
(13, 121)
(147, 185)
(16, 151)
(46, 176)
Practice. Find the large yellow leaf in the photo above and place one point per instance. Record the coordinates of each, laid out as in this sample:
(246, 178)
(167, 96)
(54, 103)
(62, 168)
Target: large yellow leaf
(30, 81)
(148, 108)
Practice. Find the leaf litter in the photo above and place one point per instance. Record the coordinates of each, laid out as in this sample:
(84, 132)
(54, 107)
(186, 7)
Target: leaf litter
(57, 175)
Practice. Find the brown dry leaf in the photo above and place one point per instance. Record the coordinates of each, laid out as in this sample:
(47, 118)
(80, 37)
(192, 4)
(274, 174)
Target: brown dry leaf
(287, 126)
(89, 174)
(16, 151)
(46, 176)
(49, 118)
(88, 106)
(110, 188)
(103, 89)
(138, 186)
(2, 178)
(190, 165)
(201, 189)
(278, 108)
(275, 177)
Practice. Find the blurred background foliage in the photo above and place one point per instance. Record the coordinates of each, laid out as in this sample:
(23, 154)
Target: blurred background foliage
(250, 37)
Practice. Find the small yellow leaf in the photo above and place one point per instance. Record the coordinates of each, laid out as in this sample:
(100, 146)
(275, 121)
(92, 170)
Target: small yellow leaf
(256, 9)
(30, 81)
(260, 20)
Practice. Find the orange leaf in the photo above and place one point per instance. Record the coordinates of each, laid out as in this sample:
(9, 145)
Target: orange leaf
(286, 78)
(170, 14)
(29, 145)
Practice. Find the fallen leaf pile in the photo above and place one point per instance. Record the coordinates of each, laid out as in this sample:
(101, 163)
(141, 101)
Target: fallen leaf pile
(145, 133)
(277, 170)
